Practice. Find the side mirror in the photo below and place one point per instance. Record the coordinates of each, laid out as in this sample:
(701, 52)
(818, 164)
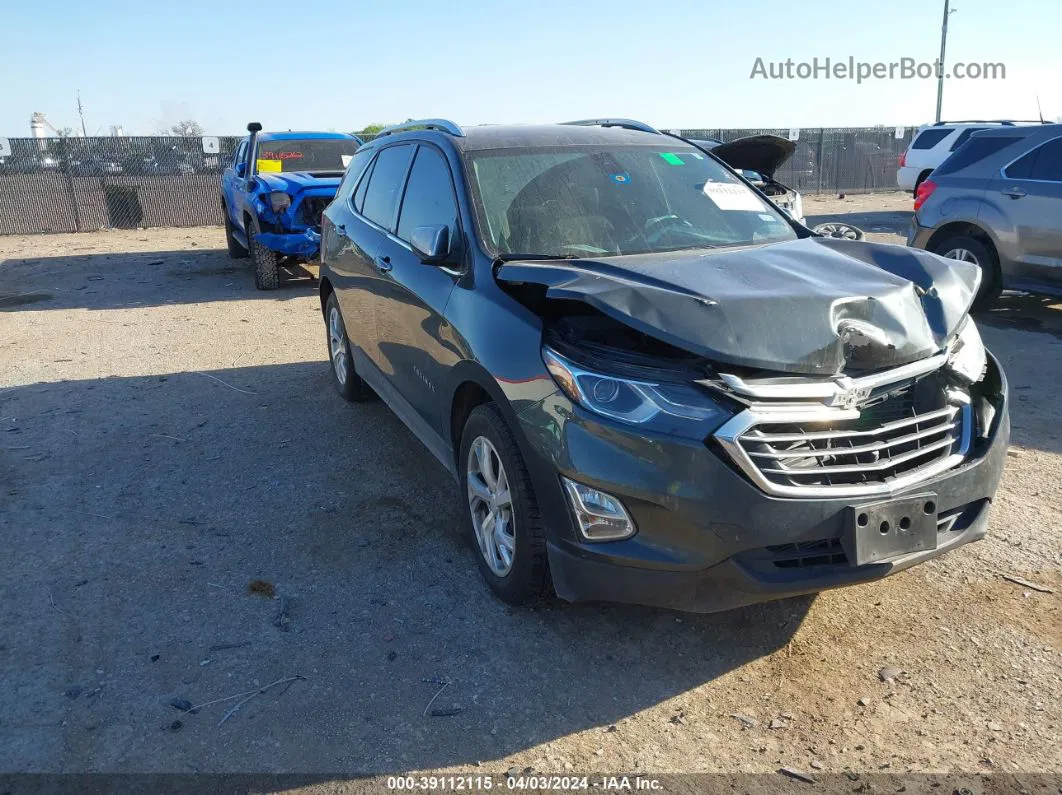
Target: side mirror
(431, 243)
(241, 170)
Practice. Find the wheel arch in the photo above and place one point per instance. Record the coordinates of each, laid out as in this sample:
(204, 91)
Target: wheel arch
(325, 289)
(473, 386)
(963, 229)
(982, 236)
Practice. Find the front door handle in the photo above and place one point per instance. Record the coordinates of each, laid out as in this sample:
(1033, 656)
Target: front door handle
(1014, 193)
(383, 264)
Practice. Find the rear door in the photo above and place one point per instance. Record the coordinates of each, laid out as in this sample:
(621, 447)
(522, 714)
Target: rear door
(361, 261)
(413, 352)
(1031, 195)
(348, 245)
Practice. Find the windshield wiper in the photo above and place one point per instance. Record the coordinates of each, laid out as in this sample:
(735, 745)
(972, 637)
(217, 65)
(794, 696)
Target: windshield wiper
(508, 257)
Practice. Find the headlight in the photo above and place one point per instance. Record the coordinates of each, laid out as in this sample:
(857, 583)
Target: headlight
(966, 356)
(668, 407)
(279, 201)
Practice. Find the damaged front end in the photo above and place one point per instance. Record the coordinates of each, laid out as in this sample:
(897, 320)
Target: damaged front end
(808, 389)
(290, 219)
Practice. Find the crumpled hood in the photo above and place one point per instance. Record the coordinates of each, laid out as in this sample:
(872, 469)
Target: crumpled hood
(815, 306)
(763, 153)
(295, 181)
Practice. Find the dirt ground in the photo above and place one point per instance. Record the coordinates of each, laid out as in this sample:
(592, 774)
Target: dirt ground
(168, 435)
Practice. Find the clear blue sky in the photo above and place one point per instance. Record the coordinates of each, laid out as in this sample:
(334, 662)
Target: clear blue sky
(340, 64)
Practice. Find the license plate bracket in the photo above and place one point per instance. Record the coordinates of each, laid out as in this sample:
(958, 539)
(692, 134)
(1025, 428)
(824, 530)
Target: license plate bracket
(880, 531)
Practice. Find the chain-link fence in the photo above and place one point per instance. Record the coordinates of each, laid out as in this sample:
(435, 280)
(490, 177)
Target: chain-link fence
(83, 184)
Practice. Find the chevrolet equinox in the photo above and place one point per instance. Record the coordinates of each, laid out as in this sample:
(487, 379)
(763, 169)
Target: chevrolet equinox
(652, 385)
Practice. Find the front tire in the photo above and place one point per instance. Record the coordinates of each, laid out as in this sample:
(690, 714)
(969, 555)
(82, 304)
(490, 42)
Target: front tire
(972, 250)
(266, 262)
(348, 383)
(502, 514)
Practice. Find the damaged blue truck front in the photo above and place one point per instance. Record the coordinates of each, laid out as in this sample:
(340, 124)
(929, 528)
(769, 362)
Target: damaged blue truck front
(273, 192)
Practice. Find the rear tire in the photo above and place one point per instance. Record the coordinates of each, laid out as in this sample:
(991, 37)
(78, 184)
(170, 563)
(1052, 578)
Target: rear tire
(511, 549)
(970, 249)
(266, 262)
(236, 249)
(348, 383)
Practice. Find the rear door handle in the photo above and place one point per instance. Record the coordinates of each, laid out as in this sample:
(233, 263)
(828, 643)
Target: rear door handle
(383, 264)
(1014, 193)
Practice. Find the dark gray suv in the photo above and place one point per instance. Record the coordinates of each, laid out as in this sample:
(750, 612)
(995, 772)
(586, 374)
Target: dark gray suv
(996, 202)
(650, 384)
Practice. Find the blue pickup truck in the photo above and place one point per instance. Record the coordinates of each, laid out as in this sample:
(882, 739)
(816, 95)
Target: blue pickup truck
(273, 192)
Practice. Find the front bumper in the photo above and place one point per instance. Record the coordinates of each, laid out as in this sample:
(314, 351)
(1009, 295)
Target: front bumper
(708, 539)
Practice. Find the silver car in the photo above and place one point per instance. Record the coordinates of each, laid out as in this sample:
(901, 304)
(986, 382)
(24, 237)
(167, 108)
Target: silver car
(997, 202)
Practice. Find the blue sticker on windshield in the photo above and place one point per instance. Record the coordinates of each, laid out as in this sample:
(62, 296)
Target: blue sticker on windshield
(621, 179)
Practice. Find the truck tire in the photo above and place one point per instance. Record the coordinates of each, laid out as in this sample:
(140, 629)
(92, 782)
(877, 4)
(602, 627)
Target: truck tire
(348, 383)
(266, 262)
(511, 557)
(236, 249)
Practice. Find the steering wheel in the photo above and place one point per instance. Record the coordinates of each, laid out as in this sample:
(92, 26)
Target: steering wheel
(656, 227)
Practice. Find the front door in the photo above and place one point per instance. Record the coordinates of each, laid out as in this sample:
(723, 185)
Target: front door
(413, 338)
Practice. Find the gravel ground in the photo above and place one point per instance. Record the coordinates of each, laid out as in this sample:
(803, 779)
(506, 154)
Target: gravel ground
(168, 435)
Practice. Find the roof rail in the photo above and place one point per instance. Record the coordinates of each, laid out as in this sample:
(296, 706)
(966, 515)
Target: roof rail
(1005, 122)
(627, 124)
(443, 125)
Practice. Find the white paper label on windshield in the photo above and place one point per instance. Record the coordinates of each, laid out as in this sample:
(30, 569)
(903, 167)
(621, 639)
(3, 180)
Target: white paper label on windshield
(346, 159)
(729, 196)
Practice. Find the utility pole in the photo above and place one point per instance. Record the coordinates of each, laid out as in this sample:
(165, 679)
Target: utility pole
(940, 63)
(84, 132)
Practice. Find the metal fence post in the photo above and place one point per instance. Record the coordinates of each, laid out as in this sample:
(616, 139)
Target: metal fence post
(64, 164)
(818, 161)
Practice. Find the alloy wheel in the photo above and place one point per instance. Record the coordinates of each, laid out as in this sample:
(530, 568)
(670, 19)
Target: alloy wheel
(491, 506)
(337, 344)
(962, 254)
(843, 231)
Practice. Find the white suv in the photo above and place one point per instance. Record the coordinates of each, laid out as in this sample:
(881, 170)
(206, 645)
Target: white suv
(933, 143)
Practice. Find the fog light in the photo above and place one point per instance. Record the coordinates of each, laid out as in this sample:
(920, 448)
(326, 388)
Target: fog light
(599, 515)
(279, 201)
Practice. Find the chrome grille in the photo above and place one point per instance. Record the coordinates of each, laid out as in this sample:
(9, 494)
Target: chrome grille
(887, 444)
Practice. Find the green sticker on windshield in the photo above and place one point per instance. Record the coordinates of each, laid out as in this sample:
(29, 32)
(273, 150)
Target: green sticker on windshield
(673, 159)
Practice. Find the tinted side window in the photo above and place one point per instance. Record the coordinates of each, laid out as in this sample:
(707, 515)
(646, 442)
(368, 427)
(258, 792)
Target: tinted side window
(975, 150)
(241, 151)
(385, 185)
(429, 198)
(1022, 168)
(930, 138)
(359, 194)
(1048, 164)
(964, 135)
(354, 170)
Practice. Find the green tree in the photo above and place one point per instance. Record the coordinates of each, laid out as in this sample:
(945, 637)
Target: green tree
(371, 129)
